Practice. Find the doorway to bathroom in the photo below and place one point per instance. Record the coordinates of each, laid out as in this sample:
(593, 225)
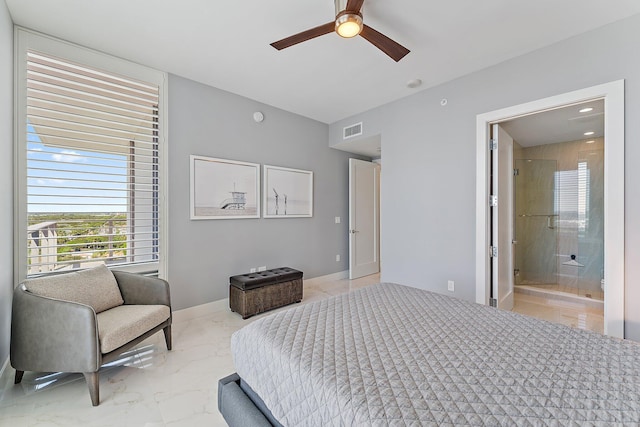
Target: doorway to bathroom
(565, 244)
(558, 214)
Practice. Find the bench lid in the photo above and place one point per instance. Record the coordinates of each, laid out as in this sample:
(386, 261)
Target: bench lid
(264, 278)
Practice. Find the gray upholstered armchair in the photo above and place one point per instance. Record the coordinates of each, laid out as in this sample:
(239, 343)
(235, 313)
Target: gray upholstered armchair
(76, 322)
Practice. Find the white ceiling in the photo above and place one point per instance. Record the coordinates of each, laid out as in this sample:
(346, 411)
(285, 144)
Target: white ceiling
(559, 125)
(226, 43)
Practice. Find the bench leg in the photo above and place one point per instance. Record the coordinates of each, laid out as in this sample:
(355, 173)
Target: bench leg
(93, 381)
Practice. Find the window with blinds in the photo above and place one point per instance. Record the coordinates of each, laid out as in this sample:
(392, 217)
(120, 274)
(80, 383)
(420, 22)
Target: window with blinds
(572, 197)
(92, 167)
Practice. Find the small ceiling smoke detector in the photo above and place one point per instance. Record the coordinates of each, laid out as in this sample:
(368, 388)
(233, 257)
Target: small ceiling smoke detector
(412, 84)
(586, 110)
(258, 117)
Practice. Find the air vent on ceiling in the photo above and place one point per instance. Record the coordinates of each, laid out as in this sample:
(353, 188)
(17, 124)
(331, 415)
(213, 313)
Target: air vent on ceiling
(351, 131)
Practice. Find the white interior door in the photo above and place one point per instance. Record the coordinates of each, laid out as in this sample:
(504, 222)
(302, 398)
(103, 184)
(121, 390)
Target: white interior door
(502, 219)
(364, 218)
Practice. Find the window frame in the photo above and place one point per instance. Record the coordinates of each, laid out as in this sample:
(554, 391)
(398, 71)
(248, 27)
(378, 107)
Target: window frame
(30, 40)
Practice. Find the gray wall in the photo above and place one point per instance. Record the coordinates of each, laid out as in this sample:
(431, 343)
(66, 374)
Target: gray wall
(429, 155)
(203, 254)
(6, 178)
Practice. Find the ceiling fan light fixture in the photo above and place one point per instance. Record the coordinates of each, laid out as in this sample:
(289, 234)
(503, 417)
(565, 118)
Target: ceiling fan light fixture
(348, 25)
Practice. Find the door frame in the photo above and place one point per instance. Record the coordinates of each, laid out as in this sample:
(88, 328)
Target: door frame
(353, 188)
(614, 262)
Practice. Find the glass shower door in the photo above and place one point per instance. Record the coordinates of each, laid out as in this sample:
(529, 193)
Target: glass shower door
(590, 225)
(535, 222)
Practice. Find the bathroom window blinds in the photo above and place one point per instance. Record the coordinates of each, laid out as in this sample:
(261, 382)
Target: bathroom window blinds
(572, 197)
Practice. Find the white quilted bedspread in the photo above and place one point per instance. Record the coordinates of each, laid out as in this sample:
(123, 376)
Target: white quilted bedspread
(395, 355)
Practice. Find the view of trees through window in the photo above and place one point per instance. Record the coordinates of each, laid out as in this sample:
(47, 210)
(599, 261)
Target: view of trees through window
(92, 177)
(77, 207)
(99, 235)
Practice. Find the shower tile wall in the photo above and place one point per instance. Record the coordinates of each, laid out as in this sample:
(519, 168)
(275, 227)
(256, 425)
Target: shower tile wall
(536, 232)
(579, 203)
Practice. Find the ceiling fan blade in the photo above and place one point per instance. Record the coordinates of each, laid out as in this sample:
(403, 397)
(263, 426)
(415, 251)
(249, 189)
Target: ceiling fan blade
(354, 5)
(321, 30)
(395, 50)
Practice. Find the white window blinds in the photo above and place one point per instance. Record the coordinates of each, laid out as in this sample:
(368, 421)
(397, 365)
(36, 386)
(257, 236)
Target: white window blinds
(92, 167)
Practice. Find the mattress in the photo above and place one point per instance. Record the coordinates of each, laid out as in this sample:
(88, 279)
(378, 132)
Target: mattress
(395, 355)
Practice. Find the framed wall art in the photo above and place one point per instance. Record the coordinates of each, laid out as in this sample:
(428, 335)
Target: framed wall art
(287, 193)
(224, 189)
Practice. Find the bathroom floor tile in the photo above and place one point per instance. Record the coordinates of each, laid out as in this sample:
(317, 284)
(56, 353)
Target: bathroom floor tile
(571, 313)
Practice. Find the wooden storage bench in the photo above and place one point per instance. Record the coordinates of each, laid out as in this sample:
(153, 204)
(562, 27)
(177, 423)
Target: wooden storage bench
(255, 293)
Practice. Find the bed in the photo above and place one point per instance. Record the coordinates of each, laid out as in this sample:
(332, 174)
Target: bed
(395, 355)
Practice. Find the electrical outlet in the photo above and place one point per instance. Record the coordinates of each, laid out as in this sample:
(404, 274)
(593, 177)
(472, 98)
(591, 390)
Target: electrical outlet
(252, 270)
(450, 285)
(337, 257)
(263, 268)
(337, 220)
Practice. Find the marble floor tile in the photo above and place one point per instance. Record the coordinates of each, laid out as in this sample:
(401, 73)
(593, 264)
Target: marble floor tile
(152, 387)
(149, 386)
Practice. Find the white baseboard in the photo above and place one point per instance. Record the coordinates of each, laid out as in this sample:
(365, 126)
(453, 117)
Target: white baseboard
(328, 278)
(194, 312)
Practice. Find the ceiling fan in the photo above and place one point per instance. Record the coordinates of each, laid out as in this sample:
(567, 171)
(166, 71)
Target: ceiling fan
(348, 23)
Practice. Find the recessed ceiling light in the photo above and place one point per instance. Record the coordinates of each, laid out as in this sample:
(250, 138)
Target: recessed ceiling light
(412, 84)
(589, 133)
(590, 142)
(586, 110)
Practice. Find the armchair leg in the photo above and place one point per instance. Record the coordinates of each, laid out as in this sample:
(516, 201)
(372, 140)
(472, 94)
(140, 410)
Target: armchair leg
(18, 377)
(93, 381)
(167, 336)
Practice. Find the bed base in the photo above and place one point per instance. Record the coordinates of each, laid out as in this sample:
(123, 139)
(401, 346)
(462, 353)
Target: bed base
(241, 406)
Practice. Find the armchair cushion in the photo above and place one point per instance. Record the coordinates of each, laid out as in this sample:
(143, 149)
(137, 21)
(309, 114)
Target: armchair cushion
(122, 324)
(96, 287)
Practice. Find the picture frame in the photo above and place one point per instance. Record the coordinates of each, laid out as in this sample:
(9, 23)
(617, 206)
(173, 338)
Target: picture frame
(287, 193)
(224, 189)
